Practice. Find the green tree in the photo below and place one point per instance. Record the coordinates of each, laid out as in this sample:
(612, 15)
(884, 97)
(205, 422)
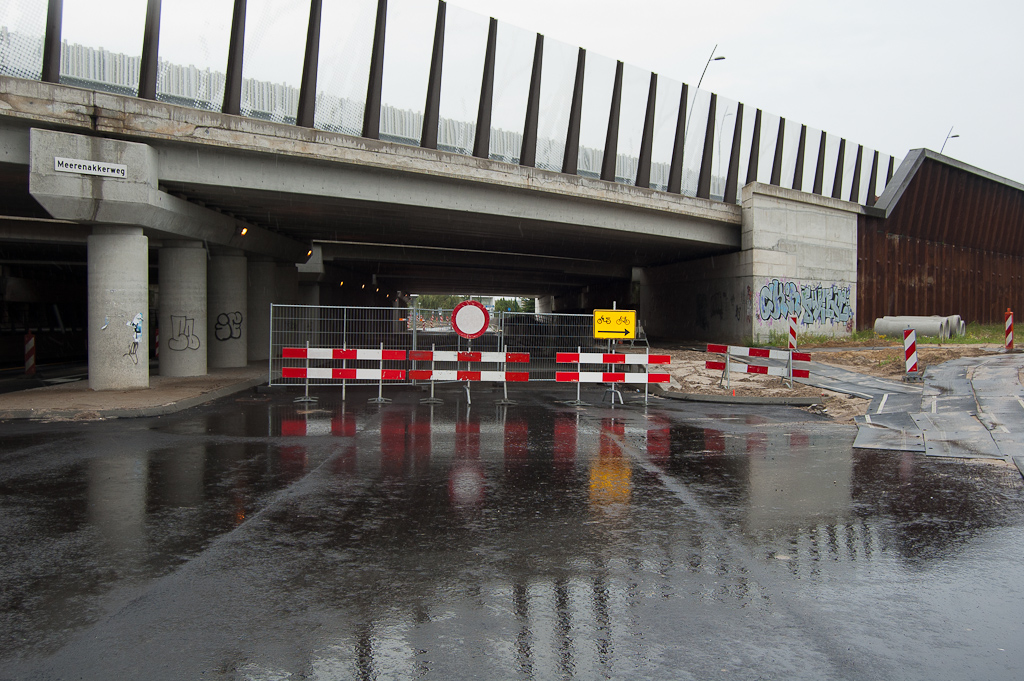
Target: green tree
(528, 305)
(507, 305)
(439, 302)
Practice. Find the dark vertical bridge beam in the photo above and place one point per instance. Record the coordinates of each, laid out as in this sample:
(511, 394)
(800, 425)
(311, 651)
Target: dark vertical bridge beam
(733, 174)
(307, 90)
(819, 169)
(150, 51)
(375, 84)
(643, 166)
(798, 173)
(675, 169)
(777, 162)
(837, 183)
(611, 139)
(873, 180)
(432, 108)
(704, 180)
(755, 149)
(571, 160)
(51, 42)
(889, 173)
(233, 74)
(855, 185)
(482, 138)
(528, 152)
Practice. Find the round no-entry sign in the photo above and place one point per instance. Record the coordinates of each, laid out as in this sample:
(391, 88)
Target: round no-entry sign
(470, 319)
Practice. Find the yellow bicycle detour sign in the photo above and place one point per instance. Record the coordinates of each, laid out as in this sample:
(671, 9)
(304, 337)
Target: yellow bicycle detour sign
(615, 324)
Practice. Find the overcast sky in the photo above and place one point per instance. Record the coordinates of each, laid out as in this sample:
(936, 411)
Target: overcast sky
(893, 75)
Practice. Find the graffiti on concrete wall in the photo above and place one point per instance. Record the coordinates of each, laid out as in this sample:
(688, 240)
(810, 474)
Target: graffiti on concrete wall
(229, 326)
(811, 303)
(183, 335)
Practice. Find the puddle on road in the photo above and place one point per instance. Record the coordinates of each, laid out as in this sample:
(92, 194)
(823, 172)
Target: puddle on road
(531, 532)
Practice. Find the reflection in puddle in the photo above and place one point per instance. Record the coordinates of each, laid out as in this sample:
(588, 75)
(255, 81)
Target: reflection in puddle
(610, 474)
(522, 542)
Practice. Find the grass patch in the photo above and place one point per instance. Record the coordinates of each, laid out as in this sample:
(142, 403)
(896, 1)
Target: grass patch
(975, 333)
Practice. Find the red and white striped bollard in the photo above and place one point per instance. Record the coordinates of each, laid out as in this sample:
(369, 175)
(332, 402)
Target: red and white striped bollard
(30, 354)
(792, 332)
(910, 351)
(1009, 329)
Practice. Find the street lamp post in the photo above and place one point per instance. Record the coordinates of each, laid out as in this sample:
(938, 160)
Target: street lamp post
(949, 136)
(711, 58)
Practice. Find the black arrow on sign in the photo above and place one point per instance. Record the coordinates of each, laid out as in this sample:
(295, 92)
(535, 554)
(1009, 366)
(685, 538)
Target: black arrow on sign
(623, 332)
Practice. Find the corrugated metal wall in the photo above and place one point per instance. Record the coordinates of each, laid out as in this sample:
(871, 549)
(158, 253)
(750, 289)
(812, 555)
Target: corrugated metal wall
(953, 244)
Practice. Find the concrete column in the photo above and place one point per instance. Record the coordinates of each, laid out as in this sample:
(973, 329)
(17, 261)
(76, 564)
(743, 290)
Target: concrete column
(118, 262)
(227, 310)
(183, 309)
(544, 304)
(261, 286)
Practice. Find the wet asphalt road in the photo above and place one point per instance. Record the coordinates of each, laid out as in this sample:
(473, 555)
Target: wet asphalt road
(249, 540)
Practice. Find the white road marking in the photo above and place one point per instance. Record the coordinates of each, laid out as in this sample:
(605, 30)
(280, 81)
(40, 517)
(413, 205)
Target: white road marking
(881, 405)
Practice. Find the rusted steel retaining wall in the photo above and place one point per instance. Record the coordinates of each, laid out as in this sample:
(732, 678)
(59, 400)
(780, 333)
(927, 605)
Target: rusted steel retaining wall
(908, 276)
(952, 244)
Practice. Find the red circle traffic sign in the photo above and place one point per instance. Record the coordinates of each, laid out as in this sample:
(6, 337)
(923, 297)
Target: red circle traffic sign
(470, 319)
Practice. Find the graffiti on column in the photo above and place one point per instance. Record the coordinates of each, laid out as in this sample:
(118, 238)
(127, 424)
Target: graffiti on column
(229, 326)
(183, 334)
(133, 347)
(811, 303)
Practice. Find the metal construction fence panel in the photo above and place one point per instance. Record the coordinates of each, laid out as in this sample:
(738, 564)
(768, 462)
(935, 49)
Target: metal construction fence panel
(542, 335)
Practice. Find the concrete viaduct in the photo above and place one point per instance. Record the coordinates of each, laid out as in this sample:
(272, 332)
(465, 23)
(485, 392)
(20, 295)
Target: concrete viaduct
(230, 213)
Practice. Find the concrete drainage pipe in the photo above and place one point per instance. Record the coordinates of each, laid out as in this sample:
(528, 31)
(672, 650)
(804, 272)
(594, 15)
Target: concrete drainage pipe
(924, 326)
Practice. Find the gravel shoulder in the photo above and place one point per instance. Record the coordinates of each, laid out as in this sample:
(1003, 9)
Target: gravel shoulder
(875, 358)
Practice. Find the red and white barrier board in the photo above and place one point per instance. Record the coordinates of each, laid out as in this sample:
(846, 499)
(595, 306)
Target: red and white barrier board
(789, 356)
(910, 350)
(337, 353)
(758, 369)
(460, 375)
(764, 353)
(609, 358)
(454, 375)
(453, 356)
(30, 354)
(608, 377)
(344, 374)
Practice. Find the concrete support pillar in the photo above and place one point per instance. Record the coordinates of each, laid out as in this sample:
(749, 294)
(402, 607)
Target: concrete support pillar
(118, 262)
(545, 304)
(261, 286)
(227, 310)
(309, 293)
(287, 281)
(183, 309)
